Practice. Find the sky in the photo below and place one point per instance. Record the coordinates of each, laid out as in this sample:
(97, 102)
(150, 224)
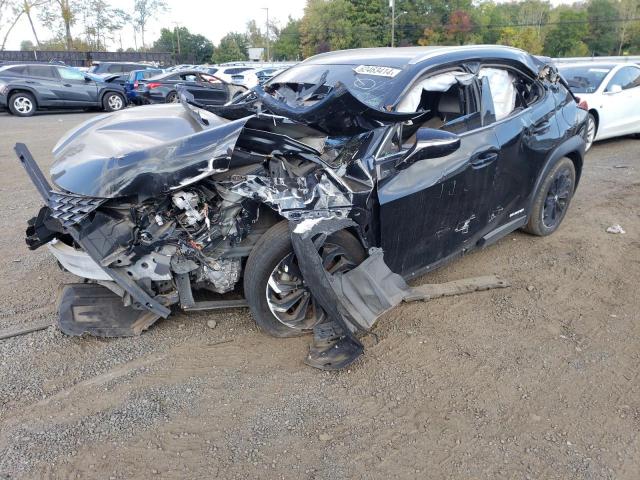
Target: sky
(211, 18)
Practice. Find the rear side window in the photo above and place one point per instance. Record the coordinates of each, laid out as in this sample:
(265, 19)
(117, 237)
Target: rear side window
(43, 71)
(114, 68)
(148, 74)
(19, 70)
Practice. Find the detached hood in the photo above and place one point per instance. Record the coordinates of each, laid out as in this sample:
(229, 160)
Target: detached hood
(143, 151)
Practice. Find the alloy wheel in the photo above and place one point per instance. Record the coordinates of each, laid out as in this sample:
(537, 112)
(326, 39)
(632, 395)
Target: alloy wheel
(23, 105)
(290, 300)
(557, 200)
(115, 102)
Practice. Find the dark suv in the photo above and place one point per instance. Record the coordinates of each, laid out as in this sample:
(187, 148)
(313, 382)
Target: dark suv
(103, 68)
(25, 88)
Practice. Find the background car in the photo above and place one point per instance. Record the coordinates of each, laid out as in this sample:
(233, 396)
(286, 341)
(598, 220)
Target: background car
(266, 74)
(30, 87)
(134, 80)
(244, 76)
(206, 89)
(612, 93)
(117, 72)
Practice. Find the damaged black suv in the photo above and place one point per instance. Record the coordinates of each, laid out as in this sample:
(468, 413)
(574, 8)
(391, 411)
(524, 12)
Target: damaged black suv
(323, 190)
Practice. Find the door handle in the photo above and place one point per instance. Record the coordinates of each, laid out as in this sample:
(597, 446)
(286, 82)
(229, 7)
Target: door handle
(68, 85)
(482, 159)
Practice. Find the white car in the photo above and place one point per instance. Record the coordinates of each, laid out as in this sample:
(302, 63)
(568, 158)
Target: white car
(245, 76)
(612, 93)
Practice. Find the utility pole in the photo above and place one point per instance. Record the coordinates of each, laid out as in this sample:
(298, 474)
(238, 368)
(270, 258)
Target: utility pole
(177, 29)
(393, 23)
(268, 53)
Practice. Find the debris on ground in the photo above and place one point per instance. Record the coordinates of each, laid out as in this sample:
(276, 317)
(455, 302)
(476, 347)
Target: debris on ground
(615, 229)
(212, 324)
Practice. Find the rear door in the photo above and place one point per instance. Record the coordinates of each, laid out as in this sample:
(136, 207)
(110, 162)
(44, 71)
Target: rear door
(525, 125)
(77, 88)
(44, 80)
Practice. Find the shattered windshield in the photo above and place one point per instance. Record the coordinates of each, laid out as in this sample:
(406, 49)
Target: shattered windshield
(585, 79)
(369, 84)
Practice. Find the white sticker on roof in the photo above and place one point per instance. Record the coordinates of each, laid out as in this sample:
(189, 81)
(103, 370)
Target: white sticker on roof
(600, 70)
(379, 71)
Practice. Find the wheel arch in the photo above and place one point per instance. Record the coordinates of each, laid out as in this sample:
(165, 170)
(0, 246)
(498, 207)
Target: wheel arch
(14, 90)
(572, 148)
(596, 117)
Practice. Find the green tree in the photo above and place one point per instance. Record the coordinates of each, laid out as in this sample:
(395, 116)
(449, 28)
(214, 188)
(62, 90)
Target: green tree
(566, 34)
(26, 45)
(60, 16)
(186, 46)
(232, 48)
(524, 38)
(287, 44)
(144, 11)
(602, 36)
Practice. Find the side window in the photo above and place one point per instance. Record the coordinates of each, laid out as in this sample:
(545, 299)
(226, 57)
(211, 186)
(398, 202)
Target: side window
(509, 91)
(447, 102)
(188, 77)
(70, 74)
(625, 78)
(21, 70)
(44, 71)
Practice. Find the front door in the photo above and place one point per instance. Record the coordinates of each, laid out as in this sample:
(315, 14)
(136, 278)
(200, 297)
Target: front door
(76, 88)
(437, 207)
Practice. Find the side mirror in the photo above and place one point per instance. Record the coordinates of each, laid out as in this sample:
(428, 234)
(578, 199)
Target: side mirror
(430, 143)
(87, 78)
(614, 89)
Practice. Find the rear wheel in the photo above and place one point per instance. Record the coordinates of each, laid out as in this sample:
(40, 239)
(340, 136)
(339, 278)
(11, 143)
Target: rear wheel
(552, 199)
(22, 104)
(279, 300)
(112, 102)
(172, 97)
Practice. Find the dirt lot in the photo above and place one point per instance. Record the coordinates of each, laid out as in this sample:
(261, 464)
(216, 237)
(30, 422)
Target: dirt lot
(536, 381)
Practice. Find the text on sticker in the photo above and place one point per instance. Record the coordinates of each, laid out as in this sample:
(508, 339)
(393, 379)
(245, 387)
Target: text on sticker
(380, 71)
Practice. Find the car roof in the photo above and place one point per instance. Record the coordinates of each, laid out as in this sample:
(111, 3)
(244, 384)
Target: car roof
(399, 57)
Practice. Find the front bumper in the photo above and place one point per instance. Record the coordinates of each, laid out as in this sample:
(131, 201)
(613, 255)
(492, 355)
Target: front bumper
(89, 244)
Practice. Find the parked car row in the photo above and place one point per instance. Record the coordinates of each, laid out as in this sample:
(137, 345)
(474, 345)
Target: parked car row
(27, 87)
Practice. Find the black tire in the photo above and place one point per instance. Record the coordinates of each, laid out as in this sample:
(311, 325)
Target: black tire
(112, 102)
(591, 124)
(22, 104)
(270, 250)
(172, 97)
(552, 199)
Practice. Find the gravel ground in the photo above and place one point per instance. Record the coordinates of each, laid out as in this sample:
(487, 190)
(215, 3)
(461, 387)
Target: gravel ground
(539, 380)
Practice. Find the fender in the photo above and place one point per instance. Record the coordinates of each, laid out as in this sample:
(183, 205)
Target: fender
(573, 148)
(23, 88)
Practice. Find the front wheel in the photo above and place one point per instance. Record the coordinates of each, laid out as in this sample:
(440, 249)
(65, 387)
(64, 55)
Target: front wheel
(112, 102)
(280, 302)
(552, 199)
